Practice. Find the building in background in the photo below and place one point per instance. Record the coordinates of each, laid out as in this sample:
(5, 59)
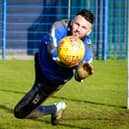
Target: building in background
(23, 23)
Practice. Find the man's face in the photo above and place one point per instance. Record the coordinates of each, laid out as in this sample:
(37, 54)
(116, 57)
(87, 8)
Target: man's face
(80, 27)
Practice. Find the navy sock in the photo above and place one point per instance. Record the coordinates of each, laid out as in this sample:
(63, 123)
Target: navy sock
(45, 110)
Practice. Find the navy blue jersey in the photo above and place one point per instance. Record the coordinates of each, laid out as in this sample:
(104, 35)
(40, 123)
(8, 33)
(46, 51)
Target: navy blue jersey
(47, 52)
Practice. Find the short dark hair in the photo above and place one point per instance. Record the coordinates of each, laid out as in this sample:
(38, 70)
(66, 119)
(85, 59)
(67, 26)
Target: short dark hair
(87, 14)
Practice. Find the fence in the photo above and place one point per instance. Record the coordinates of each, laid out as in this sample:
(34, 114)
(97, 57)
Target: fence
(23, 23)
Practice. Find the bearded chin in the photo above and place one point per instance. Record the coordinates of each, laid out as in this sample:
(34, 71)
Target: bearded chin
(76, 33)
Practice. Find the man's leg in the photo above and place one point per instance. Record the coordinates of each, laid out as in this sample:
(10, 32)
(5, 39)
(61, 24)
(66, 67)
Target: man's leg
(31, 101)
(30, 106)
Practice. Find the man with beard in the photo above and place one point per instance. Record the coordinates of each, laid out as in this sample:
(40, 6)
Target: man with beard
(50, 76)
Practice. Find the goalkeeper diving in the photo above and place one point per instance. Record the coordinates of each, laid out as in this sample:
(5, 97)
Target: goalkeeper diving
(50, 74)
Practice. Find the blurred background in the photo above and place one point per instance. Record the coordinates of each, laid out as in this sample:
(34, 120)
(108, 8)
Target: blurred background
(23, 24)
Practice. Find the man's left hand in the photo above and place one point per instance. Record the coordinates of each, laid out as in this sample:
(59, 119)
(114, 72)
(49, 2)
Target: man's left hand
(83, 71)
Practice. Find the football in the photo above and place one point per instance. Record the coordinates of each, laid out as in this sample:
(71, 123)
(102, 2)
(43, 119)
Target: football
(71, 51)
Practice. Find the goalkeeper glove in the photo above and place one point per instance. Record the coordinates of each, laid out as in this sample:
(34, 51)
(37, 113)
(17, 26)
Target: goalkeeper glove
(83, 71)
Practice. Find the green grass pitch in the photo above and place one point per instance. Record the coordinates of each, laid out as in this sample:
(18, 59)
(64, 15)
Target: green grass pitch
(97, 103)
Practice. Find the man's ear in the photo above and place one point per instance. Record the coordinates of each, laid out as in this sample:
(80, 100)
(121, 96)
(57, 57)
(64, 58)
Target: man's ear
(89, 33)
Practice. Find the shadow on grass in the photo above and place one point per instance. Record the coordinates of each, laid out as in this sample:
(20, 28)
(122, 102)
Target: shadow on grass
(69, 99)
(85, 101)
(12, 91)
(73, 126)
(60, 125)
(9, 110)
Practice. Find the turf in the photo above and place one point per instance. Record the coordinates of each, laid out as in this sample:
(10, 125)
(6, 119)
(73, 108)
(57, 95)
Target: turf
(97, 103)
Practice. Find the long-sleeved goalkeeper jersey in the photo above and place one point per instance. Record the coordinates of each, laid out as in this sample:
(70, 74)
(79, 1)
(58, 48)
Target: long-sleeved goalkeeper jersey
(55, 73)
